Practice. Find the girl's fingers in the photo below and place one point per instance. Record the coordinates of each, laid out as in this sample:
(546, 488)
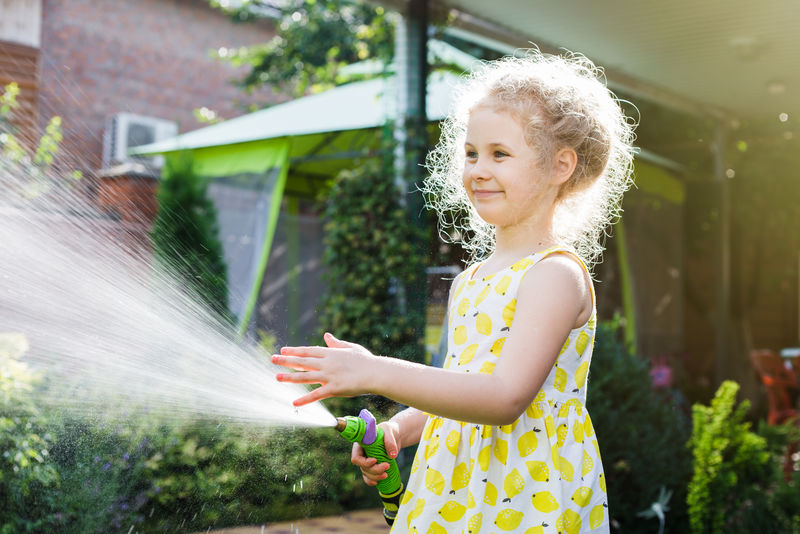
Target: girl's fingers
(306, 352)
(313, 396)
(295, 362)
(309, 377)
(334, 343)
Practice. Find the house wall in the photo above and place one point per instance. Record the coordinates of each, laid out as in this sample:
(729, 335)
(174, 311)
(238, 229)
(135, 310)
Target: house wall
(20, 35)
(149, 57)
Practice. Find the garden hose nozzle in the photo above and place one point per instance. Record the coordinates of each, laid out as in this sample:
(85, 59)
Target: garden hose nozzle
(364, 430)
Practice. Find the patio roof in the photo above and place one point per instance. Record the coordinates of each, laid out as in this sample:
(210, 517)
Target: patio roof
(724, 58)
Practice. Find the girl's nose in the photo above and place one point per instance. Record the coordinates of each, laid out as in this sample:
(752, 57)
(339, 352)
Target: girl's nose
(478, 171)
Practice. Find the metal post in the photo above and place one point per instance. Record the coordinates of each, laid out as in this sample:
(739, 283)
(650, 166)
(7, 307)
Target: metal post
(413, 120)
(722, 260)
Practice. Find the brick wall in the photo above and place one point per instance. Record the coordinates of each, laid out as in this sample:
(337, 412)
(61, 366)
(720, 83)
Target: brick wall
(19, 63)
(149, 57)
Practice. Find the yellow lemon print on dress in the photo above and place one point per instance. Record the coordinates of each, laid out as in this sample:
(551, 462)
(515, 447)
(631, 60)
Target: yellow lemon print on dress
(432, 447)
(406, 497)
(501, 451)
(513, 485)
(419, 506)
(484, 456)
(580, 374)
(560, 382)
(527, 443)
(452, 511)
(452, 441)
(470, 500)
(588, 464)
(597, 515)
(538, 471)
(564, 347)
(483, 324)
(487, 368)
(581, 342)
(482, 295)
(536, 530)
(544, 502)
(434, 481)
(460, 335)
(588, 429)
(415, 463)
(474, 524)
(468, 354)
(508, 314)
(428, 432)
(508, 429)
(508, 519)
(602, 482)
(502, 285)
(463, 306)
(490, 497)
(567, 471)
(534, 410)
(497, 347)
(436, 528)
(461, 475)
(561, 432)
(521, 264)
(550, 426)
(596, 447)
(569, 522)
(582, 496)
(577, 431)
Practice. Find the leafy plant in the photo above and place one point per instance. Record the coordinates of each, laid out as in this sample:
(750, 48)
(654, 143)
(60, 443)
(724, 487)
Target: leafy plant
(25, 470)
(737, 485)
(185, 234)
(313, 41)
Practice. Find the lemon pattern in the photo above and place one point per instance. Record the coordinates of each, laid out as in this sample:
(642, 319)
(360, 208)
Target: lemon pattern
(540, 474)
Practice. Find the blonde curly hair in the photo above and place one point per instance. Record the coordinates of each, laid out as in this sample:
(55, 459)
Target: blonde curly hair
(561, 102)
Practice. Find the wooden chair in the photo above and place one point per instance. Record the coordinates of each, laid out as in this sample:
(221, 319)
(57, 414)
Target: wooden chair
(782, 387)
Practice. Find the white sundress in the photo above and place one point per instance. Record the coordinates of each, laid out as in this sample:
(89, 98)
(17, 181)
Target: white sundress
(541, 474)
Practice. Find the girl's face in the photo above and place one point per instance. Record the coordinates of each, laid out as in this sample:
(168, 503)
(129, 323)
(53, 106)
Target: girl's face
(502, 175)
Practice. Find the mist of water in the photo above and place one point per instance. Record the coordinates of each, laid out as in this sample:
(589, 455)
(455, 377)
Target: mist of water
(107, 329)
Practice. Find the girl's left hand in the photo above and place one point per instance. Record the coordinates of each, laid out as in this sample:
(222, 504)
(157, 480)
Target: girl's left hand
(342, 368)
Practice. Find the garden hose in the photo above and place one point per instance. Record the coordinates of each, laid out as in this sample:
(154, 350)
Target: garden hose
(364, 430)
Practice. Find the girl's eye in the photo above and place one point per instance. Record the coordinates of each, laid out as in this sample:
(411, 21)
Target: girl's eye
(471, 154)
(500, 154)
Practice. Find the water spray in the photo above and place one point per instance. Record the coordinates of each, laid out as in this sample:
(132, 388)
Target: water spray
(364, 430)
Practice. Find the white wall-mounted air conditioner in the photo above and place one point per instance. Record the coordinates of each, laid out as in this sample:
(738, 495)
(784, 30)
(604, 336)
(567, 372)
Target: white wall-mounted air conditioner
(127, 130)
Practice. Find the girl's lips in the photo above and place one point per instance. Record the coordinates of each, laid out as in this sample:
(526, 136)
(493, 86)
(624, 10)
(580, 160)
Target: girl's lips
(484, 193)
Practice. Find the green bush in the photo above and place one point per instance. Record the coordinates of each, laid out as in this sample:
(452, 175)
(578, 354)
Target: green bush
(185, 234)
(738, 486)
(25, 470)
(369, 257)
(642, 435)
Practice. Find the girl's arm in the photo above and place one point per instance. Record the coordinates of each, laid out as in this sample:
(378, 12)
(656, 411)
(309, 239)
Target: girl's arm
(551, 298)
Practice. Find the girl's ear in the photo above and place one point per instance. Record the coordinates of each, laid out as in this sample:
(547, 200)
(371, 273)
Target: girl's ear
(564, 165)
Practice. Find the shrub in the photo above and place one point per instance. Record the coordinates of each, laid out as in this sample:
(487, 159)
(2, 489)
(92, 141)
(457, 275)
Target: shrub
(25, 471)
(642, 435)
(185, 234)
(737, 484)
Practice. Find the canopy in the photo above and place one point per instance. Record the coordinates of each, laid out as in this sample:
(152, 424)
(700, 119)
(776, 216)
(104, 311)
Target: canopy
(247, 161)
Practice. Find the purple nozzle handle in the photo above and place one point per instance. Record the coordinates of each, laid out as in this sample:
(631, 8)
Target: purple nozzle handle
(371, 432)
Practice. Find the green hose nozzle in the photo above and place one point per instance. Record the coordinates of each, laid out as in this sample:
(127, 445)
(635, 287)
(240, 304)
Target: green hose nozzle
(363, 430)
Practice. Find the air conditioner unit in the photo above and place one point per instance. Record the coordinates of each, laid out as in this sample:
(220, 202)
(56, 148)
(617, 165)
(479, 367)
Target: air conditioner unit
(127, 130)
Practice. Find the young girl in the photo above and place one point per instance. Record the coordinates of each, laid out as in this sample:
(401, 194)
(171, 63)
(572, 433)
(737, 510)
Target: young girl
(537, 153)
